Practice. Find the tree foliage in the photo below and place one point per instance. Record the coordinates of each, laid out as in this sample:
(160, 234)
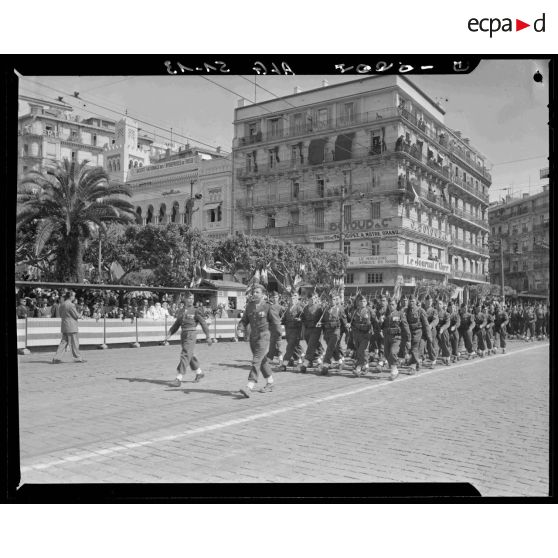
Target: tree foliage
(70, 202)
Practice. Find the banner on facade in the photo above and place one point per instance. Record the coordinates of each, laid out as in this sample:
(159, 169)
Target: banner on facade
(356, 235)
(428, 265)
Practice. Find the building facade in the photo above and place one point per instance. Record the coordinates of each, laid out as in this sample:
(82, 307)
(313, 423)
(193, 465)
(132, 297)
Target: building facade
(520, 233)
(50, 132)
(185, 185)
(368, 167)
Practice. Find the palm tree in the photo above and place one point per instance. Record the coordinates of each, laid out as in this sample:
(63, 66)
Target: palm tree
(70, 202)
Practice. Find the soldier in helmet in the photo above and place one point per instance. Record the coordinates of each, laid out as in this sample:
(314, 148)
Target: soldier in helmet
(311, 315)
(292, 320)
(453, 330)
(431, 345)
(396, 330)
(489, 330)
(262, 318)
(443, 334)
(361, 325)
(332, 320)
(381, 313)
(500, 324)
(275, 339)
(418, 327)
(479, 320)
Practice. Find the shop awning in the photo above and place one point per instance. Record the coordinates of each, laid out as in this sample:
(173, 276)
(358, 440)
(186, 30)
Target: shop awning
(210, 206)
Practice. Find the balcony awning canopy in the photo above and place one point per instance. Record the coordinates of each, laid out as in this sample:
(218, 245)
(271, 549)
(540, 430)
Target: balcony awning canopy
(209, 206)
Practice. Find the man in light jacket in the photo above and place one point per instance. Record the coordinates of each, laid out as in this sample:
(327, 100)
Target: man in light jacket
(69, 328)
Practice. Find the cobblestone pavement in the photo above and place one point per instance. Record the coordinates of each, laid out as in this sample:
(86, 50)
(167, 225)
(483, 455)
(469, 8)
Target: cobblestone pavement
(115, 418)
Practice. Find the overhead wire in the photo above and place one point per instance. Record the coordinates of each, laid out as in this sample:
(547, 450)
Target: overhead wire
(120, 113)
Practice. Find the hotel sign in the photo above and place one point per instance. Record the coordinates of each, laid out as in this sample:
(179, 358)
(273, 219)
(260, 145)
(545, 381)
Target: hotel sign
(399, 260)
(427, 230)
(356, 235)
(362, 224)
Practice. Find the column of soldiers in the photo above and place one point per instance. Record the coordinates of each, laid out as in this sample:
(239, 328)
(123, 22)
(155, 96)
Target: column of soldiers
(378, 334)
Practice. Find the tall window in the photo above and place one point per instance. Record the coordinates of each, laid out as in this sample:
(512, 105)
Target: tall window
(319, 245)
(271, 221)
(375, 210)
(419, 249)
(319, 217)
(320, 182)
(349, 278)
(347, 215)
(273, 127)
(298, 123)
(407, 248)
(375, 248)
(322, 118)
(249, 222)
(295, 189)
(348, 112)
(295, 217)
(347, 247)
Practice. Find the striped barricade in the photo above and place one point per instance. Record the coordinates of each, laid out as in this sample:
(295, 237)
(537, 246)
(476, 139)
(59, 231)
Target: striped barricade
(21, 329)
(119, 331)
(45, 332)
(223, 328)
(151, 330)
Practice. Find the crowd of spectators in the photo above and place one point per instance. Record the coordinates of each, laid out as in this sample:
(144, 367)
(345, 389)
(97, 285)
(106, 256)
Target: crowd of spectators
(97, 304)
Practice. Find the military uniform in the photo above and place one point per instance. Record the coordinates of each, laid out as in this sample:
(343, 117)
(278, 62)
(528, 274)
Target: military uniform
(540, 326)
(361, 324)
(275, 336)
(263, 319)
(489, 333)
(465, 333)
(443, 334)
(453, 332)
(381, 313)
(188, 319)
(333, 319)
(312, 333)
(396, 330)
(500, 324)
(418, 327)
(292, 321)
(431, 343)
(529, 320)
(479, 331)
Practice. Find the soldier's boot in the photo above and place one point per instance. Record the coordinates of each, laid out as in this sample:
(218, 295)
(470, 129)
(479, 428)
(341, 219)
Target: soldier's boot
(394, 372)
(357, 371)
(324, 370)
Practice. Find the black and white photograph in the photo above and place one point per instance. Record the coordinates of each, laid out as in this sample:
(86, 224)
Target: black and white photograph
(270, 277)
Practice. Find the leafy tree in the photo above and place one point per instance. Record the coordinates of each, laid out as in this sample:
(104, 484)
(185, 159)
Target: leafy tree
(70, 201)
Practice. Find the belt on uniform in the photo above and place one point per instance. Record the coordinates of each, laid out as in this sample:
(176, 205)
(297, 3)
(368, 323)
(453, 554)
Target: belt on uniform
(415, 328)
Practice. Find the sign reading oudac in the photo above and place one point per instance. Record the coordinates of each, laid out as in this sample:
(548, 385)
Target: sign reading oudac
(495, 24)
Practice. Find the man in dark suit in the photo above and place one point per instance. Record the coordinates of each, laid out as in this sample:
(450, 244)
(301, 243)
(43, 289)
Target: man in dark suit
(69, 328)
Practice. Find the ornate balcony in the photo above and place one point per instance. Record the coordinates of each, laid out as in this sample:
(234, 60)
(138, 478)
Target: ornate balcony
(468, 276)
(470, 217)
(476, 248)
(288, 230)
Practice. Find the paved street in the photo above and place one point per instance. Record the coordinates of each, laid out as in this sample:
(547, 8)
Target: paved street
(116, 419)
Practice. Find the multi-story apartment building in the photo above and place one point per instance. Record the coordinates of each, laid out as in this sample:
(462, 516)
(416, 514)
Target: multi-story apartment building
(50, 132)
(520, 234)
(367, 166)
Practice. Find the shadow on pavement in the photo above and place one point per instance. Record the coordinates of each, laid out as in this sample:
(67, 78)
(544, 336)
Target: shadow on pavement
(229, 365)
(225, 393)
(149, 381)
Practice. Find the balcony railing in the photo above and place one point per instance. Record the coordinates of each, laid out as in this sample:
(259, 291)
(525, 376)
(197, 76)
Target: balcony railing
(457, 242)
(470, 217)
(468, 275)
(468, 188)
(460, 152)
(288, 230)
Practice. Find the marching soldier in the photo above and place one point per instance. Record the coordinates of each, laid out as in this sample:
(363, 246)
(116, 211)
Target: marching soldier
(312, 332)
(529, 320)
(540, 329)
(262, 318)
(333, 319)
(418, 327)
(381, 313)
(479, 320)
(489, 334)
(292, 320)
(275, 339)
(500, 323)
(432, 344)
(455, 322)
(188, 318)
(443, 334)
(396, 330)
(466, 326)
(361, 324)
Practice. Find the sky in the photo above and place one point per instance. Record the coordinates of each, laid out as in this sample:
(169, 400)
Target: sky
(499, 107)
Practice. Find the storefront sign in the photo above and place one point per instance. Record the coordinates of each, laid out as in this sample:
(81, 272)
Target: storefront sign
(362, 224)
(427, 265)
(373, 261)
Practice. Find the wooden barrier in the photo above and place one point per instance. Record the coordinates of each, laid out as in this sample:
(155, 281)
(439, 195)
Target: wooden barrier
(45, 332)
